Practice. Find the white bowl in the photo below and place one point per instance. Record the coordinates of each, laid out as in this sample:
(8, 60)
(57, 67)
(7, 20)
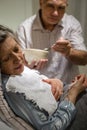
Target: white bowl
(35, 54)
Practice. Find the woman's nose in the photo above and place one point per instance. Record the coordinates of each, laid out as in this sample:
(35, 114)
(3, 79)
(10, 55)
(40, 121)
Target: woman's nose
(16, 57)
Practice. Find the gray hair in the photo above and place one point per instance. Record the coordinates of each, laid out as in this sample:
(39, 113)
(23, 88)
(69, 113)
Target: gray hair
(6, 32)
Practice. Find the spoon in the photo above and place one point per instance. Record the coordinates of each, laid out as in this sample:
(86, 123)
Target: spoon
(47, 49)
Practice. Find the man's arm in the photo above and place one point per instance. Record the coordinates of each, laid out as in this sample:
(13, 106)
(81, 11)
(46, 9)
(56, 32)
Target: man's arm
(78, 57)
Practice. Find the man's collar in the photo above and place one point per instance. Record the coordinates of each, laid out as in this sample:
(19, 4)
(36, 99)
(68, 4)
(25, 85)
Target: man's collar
(37, 23)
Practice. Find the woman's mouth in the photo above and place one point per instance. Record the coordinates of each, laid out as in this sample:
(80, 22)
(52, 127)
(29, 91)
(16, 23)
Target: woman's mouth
(19, 66)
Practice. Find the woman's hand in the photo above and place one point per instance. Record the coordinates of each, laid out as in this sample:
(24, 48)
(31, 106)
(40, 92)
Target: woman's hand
(79, 85)
(38, 65)
(56, 87)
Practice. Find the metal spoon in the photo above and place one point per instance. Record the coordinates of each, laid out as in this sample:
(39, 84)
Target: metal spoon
(47, 49)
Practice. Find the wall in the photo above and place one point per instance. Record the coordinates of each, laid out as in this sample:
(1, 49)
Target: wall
(13, 12)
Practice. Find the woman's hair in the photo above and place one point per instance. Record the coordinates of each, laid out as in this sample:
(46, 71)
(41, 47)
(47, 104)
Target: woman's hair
(6, 32)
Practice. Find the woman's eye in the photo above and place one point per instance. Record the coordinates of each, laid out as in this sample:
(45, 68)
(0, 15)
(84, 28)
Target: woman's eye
(16, 49)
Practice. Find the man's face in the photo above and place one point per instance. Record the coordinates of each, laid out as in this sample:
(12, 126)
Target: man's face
(52, 11)
(11, 57)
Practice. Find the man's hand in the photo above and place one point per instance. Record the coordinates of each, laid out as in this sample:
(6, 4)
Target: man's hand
(63, 46)
(56, 87)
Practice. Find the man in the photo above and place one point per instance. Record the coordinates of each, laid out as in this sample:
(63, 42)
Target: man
(53, 28)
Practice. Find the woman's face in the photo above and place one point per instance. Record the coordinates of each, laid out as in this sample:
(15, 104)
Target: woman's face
(11, 57)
